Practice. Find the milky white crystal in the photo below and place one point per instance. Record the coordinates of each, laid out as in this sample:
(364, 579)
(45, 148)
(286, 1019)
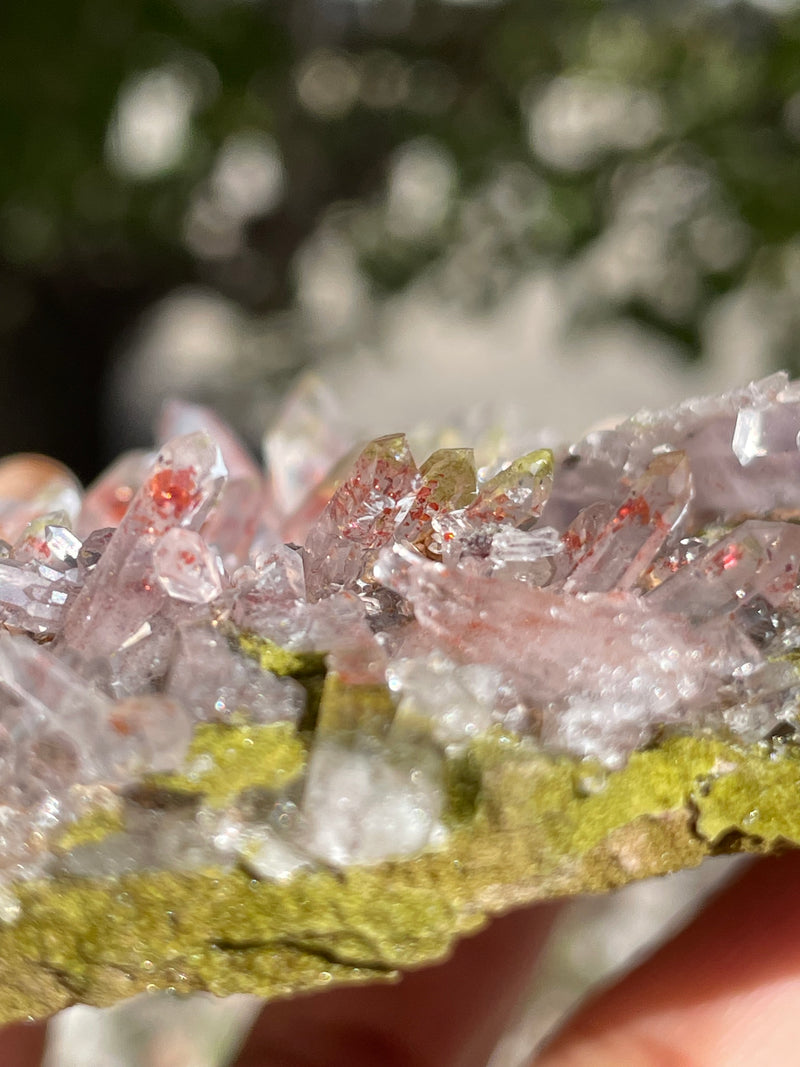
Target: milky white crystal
(360, 806)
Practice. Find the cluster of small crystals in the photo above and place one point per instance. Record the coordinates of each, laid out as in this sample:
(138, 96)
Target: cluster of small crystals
(644, 579)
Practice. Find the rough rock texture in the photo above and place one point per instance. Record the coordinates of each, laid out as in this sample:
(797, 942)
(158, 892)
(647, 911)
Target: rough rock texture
(523, 828)
(266, 731)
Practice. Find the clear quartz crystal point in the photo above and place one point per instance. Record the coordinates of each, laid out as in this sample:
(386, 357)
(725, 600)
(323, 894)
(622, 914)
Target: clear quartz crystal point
(179, 418)
(122, 593)
(234, 519)
(586, 475)
(448, 482)
(303, 444)
(757, 558)
(449, 476)
(47, 542)
(582, 532)
(39, 578)
(511, 498)
(361, 516)
(617, 556)
(270, 591)
(525, 555)
(770, 426)
(517, 493)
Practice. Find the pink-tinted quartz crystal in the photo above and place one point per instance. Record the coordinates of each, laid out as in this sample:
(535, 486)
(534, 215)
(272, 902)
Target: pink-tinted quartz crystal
(643, 580)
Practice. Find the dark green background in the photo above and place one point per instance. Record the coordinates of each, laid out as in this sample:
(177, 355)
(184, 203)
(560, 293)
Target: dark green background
(85, 250)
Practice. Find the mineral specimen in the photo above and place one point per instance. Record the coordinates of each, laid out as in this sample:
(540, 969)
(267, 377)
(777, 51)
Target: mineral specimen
(261, 730)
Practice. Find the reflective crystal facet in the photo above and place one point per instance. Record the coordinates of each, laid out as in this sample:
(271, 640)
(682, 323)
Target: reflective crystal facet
(518, 492)
(123, 593)
(303, 444)
(186, 568)
(620, 552)
(214, 682)
(361, 516)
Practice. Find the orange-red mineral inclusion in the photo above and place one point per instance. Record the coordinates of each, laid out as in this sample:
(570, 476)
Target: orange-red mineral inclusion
(173, 492)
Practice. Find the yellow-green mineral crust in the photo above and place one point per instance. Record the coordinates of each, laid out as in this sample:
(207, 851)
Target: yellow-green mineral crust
(224, 760)
(522, 827)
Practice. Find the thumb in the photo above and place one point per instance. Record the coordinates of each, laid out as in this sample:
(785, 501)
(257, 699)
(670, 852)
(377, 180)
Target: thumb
(725, 991)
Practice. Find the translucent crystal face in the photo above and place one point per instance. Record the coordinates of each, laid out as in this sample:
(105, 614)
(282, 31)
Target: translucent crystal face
(379, 615)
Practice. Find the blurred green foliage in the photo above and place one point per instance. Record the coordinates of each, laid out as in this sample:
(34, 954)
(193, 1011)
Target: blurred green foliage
(547, 128)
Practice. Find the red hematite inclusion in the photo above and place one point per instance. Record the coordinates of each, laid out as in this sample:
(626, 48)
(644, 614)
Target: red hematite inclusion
(638, 507)
(173, 491)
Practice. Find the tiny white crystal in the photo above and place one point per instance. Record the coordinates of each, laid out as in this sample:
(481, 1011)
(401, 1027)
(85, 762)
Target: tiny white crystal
(271, 858)
(361, 808)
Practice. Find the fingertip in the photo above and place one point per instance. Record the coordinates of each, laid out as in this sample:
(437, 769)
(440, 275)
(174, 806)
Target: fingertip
(22, 1044)
(724, 991)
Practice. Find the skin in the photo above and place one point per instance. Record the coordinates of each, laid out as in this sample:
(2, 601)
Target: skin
(723, 993)
(22, 1044)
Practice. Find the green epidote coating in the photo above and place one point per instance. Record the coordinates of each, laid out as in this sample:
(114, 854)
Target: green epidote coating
(225, 759)
(462, 783)
(346, 708)
(757, 800)
(281, 661)
(524, 827)
(91, 828)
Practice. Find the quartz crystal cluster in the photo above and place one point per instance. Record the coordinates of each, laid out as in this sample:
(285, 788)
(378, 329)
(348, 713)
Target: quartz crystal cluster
(369, 616)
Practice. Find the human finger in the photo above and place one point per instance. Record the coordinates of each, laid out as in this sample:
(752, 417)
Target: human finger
(22, 1045)
(724, 993)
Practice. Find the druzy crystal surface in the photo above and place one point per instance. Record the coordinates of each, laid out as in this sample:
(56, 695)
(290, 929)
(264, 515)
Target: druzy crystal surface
(210, 665)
